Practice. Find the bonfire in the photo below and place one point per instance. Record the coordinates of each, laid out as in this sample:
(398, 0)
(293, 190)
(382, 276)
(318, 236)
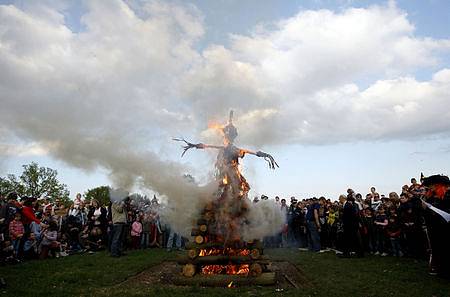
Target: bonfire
(218, 247)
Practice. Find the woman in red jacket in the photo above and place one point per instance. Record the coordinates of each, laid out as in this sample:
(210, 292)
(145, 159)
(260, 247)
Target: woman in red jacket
(28, 215)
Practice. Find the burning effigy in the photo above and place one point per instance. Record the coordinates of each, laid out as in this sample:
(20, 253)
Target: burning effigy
(219, 247)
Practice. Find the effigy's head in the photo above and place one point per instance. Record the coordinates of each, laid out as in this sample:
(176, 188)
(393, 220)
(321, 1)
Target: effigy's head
(230, 133)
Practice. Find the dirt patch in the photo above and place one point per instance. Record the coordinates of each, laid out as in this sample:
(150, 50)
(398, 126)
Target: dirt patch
(287, 275)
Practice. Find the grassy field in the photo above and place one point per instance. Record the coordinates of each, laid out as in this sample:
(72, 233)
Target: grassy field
(101, 275)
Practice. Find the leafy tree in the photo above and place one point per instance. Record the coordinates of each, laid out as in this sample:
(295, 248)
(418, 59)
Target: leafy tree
(35, 181)
(7, 186)
(101, 194)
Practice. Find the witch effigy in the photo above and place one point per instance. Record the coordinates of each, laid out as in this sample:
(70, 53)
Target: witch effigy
(222, 252)
(232, 202)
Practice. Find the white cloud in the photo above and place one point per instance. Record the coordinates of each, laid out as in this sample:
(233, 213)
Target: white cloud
(308, 70)
(134, 76)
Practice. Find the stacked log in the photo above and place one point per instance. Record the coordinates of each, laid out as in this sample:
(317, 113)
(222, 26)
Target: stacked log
(210, 262)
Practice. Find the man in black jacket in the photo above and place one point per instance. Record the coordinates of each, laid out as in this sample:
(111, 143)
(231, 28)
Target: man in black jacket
(436, 206)
(351, 222)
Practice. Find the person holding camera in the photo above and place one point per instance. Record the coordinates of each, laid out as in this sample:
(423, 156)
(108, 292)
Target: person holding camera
(119, 212)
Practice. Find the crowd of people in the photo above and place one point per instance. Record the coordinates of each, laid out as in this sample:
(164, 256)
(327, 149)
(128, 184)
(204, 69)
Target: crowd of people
(405, 225)
(34, 229)
(413, 224)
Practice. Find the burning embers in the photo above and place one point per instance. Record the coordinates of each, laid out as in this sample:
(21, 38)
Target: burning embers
(243, 269)
(207, 260)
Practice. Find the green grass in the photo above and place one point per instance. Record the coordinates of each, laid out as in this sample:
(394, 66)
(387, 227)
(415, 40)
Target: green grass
(101, 275)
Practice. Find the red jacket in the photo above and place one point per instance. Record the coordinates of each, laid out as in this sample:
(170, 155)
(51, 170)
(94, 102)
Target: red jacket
(28, 216)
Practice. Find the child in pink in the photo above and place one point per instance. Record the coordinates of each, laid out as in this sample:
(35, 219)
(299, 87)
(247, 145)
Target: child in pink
(16, 231)
(136, 231)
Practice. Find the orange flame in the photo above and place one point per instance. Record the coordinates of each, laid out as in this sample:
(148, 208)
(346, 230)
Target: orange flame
(243, 269)
(212, 269)
(215, 126)
(230, 269)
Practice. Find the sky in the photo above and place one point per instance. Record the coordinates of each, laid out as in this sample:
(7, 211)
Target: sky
(341, 93)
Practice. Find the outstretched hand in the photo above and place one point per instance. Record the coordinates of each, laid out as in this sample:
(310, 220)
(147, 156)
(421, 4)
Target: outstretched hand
(269, 159)
(189, 145)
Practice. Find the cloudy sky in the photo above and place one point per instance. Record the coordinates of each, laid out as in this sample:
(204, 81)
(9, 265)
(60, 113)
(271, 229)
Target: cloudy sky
(342, 93)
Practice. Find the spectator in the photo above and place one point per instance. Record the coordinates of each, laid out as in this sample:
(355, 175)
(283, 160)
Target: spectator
(323, 212)
(49, 240)
(332, 219)
(173, 235)
(97, 225)
(438, 197)
(413, 237)
(367, 230)
(284, 231)
(393, 232)
(119, 212)
(292, 217)
(16, 232)
(301, 225)
(313, 225)
(30, 247)
(381, 222)
(351, 223)
(146, 228)
(72, 230)
(136, 231)
(155, 226)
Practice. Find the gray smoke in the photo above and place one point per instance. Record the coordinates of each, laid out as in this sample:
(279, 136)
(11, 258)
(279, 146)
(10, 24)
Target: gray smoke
(117, 195)
(265, 219)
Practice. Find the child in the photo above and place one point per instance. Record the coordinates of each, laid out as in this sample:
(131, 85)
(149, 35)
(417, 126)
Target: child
(7, 253)
(146, 227)
(332, 223)
(368, 235)
(380, 223)
(16, 231)
(30, 247)
(49, 242)
(136, 230)
(394, 231)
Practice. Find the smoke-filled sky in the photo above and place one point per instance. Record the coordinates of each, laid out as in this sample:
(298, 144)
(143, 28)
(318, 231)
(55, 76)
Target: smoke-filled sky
(341, 93)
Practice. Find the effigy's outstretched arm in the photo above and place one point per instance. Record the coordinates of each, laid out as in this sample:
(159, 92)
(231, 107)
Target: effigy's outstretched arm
(190, 145)
(269, 159)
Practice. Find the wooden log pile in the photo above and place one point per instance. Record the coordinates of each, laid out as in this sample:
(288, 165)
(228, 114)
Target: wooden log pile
(210, 262)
